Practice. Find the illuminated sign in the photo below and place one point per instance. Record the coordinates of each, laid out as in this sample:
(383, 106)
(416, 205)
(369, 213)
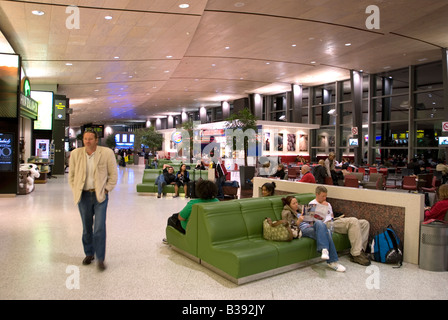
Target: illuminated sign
(176, 137)
(59, 109)
(6, 152)
(45, 110)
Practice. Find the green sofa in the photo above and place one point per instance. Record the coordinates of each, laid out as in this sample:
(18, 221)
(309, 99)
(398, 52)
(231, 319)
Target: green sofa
(150, 175)
(227, 237)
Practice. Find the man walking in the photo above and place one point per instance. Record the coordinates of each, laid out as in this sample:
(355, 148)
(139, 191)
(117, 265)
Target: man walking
(92, 175)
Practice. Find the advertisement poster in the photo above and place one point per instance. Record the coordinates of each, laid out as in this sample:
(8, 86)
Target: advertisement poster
(42, 148)
(6, 152)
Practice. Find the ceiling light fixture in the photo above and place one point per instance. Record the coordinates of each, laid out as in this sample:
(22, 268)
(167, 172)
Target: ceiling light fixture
(108, 17)
(38, 12)
(184, 5)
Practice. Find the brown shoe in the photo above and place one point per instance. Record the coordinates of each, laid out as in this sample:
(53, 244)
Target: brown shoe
(87, 260)
(101, 266)
(360, 259)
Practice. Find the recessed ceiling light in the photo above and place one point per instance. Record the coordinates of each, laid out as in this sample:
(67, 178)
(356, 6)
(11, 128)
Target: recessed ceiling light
(313, 62)
(98, 78)
(117, 57)
(108, 17)
(69, 64)
(38, 12)
(184, 5)
(167, 71)
(227, 48)
(348, 44)
(169, 57)
(239, 4)
(293, 45)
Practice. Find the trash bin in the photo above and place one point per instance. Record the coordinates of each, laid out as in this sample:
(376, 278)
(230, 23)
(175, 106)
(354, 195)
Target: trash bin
(434, 246)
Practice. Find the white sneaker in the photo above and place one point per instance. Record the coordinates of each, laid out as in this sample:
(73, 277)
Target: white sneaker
(325, 255)
(336, 266)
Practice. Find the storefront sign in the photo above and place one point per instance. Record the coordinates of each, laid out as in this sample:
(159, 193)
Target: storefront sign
(6, 152)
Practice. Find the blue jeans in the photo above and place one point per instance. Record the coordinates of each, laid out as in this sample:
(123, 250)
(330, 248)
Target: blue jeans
(323, 237)
(160, 182)
(93, 216)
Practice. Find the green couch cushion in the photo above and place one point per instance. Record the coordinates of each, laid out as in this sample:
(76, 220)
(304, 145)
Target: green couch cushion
(254, 212)
(222, 221)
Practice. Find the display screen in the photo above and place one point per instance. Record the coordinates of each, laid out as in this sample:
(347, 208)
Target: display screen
(6, 152)
(45, 110)
(9, 85)
(98, 128)
(443, 141)
(353, 142)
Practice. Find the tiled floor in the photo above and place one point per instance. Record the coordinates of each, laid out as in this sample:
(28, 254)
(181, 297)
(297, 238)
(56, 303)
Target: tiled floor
(41, 254)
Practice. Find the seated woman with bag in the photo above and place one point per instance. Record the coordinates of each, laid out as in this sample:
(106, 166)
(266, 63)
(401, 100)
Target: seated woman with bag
(182, 179)
(316, 230)
(206, 191)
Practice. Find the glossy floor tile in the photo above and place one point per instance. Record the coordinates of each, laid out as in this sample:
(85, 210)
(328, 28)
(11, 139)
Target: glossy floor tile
(41, 255)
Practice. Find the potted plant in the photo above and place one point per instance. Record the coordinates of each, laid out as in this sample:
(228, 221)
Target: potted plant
(244, 120)
(149, 138)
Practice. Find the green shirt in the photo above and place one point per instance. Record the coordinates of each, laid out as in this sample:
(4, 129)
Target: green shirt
(186, 211)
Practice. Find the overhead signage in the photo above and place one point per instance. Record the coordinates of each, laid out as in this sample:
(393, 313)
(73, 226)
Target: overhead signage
(59, 109)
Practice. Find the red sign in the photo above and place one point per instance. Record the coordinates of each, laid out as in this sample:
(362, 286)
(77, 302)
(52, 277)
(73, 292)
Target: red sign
(444, 126)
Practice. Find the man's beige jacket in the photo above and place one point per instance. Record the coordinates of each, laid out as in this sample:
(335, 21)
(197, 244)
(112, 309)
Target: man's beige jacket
(105, 172)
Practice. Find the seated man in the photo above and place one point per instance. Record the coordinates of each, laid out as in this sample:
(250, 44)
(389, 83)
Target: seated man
(442, 168)
(167, 177)
(307, 176)
(356, 229)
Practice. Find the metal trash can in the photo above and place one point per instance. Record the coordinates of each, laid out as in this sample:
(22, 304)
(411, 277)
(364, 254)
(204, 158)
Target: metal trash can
(434, 246)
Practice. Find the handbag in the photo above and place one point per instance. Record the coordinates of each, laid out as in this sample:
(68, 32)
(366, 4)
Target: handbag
(277, 230)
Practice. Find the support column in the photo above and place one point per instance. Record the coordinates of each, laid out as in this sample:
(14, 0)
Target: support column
(445, 87)
(296, 103)
(356, 89)
(256, 105)
(412, 139)
(225, 109)
(203, 115)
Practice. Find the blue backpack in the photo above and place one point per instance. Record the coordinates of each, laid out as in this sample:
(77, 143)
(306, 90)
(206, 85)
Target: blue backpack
(386, 247)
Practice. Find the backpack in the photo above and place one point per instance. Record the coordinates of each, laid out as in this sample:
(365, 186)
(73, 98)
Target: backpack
(386, 247)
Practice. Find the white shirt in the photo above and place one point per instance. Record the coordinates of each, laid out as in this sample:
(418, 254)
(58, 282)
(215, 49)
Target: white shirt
(324, 211)
(90, 177)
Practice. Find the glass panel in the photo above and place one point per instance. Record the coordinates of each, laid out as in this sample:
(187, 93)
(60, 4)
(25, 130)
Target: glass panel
(346, 114)
(427, 133)
(429, 105)
(393, 134)
(325, 140)
(429, 76)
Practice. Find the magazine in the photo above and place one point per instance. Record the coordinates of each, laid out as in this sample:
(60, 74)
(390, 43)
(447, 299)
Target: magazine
(312, 212)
